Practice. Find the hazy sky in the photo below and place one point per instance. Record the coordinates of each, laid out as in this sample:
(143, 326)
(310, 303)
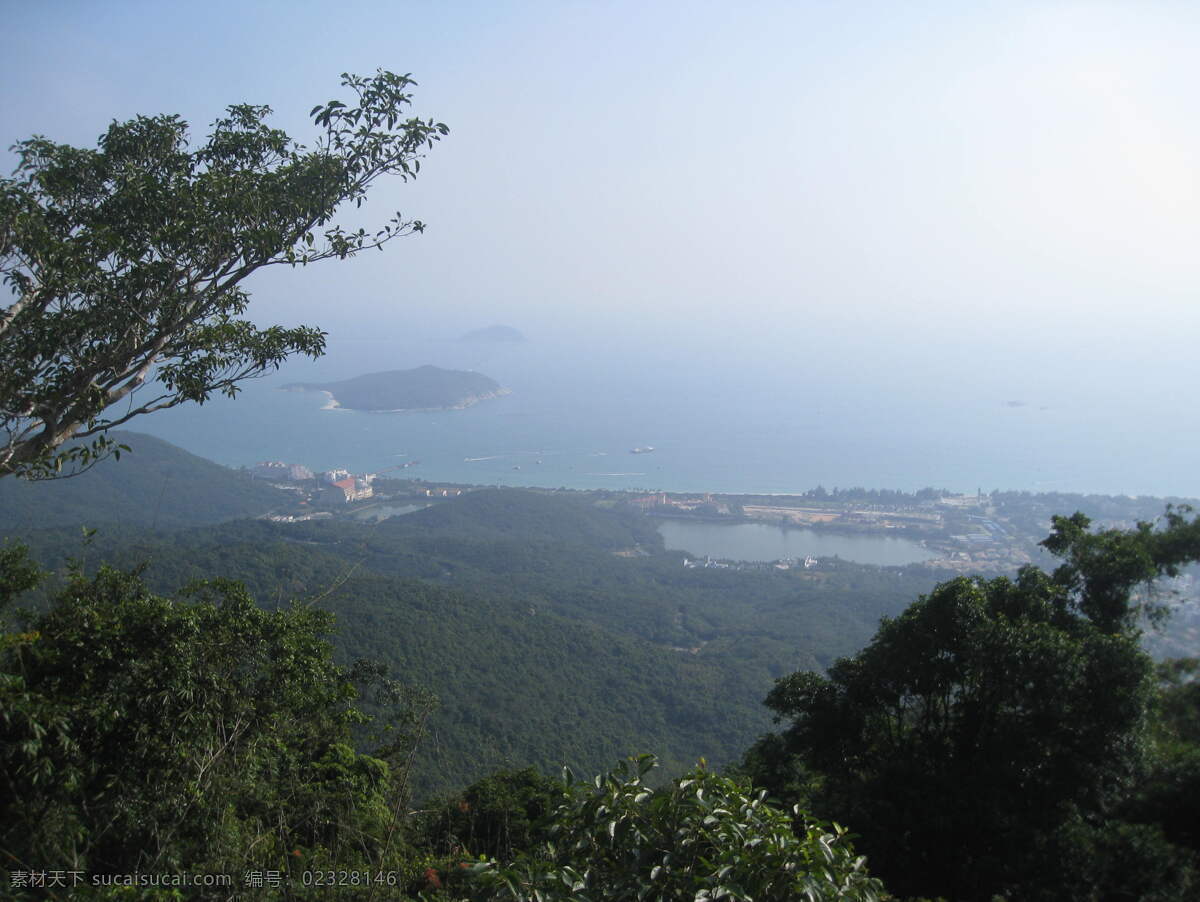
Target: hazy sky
(965, 191)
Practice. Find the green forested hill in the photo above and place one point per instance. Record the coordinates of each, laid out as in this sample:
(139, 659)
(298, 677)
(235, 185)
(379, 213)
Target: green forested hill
(155, 483)
(426, 387)
(543, 646)
(530, 516)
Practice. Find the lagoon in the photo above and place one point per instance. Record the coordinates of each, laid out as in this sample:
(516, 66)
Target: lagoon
(770, 542)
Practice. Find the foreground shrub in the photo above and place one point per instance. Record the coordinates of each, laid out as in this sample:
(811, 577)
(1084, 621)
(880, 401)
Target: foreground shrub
(703, 837)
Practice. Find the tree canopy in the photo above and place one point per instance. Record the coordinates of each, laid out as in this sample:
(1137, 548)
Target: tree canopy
(126, 263)
(141, 733)
(986, 740)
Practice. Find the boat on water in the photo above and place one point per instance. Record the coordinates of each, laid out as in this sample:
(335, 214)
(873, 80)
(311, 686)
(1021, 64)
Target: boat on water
(642, 450)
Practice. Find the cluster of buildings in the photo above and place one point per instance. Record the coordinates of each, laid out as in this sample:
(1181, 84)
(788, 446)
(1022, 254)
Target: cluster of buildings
(341, 484)
(661, 502)
(351, 487)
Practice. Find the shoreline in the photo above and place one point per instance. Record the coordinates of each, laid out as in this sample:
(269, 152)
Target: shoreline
(332, 403)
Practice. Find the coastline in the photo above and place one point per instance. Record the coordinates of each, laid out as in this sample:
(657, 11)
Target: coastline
(332, 403)
(461, 405)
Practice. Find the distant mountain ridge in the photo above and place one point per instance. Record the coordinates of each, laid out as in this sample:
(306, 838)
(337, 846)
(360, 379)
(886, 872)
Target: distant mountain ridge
(424, 388)
(155, 484)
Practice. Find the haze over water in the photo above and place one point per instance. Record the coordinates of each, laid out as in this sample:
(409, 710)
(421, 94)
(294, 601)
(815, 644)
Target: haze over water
(786, 243)
(720, 424)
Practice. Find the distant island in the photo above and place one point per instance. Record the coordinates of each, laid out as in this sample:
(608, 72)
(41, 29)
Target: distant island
(494, 334)
(423, 388)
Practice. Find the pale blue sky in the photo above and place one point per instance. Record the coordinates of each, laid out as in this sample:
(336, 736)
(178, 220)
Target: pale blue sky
(1010, 188)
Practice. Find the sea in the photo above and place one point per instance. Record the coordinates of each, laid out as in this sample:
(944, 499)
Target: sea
(781, 422)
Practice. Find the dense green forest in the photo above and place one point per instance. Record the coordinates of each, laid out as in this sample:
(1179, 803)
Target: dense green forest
(513, 609)
(153, 484)
(481, 644)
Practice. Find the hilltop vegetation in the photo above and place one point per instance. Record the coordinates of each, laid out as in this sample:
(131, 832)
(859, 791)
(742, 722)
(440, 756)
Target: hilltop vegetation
(514, 608)
(154, 484)
(530, 516)
(243, 766)
(559, 653)
(996, 737)
(514, 628)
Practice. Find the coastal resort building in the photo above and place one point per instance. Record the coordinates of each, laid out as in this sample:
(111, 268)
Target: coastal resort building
(350, 489)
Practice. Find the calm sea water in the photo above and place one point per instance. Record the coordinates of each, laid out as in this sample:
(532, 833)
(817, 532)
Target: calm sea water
(781, 425)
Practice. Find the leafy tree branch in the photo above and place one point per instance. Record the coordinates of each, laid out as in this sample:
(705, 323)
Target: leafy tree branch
(126, 262)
